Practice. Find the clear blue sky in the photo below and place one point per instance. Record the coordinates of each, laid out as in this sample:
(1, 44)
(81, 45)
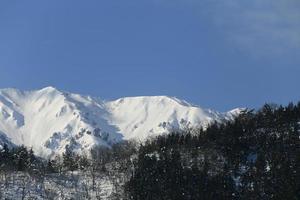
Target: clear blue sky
(214, 53)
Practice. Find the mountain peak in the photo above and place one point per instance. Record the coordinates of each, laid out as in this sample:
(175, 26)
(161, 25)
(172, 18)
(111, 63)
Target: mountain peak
(154, 99)
(48, 121)
(49, 89)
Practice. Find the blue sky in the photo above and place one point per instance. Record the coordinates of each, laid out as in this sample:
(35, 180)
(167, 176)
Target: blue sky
(214, 53)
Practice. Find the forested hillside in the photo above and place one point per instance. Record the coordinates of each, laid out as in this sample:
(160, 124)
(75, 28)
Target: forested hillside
(255, 156)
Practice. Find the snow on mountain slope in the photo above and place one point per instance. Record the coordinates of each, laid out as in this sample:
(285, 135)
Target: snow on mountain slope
(141, 117)
(49, 120)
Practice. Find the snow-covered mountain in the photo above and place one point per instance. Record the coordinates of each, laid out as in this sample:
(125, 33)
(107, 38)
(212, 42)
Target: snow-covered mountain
(48, 119)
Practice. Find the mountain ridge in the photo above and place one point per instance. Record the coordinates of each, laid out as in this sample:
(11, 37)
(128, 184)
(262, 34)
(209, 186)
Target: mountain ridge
(49, 120)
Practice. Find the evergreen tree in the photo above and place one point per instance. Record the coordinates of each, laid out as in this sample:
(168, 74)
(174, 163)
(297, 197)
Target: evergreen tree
(69, 160)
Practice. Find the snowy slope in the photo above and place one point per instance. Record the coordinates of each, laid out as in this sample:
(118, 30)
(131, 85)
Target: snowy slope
(140, 117)
(48, 120)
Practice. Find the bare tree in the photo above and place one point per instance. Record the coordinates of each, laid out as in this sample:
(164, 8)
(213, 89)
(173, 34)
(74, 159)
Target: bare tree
(25, 185)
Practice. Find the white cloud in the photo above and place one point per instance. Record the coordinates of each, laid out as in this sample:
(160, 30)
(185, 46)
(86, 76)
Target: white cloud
(262, 27)
(259, 27)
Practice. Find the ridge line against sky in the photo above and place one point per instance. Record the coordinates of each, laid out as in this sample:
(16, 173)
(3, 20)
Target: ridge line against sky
(214, 53)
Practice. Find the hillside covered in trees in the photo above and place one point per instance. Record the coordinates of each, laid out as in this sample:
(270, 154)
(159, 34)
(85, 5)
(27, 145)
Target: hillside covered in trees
(255, 156)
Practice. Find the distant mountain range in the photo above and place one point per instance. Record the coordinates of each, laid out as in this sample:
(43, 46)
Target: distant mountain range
(49, 119)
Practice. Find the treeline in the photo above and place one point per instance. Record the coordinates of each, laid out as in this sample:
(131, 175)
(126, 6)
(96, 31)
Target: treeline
(19, 158)
(256, 156)
(23, 159)
(55, 178)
